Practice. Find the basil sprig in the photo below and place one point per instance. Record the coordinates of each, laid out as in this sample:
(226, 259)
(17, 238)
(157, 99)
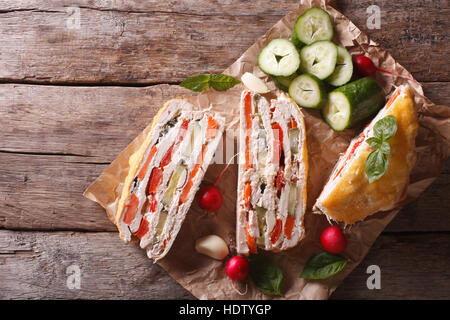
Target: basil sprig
(219, 82)
(323, 265)
(377, 161)
(266, 276)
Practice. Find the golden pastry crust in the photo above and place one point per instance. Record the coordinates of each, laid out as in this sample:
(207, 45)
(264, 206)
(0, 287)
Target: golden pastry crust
(353, 198)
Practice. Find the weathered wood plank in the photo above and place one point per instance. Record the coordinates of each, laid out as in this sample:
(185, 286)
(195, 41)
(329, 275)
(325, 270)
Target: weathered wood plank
(46, 193)
(88, 120)
(124, 42)
(412, 267)
(190, 7)
(84, 121)
(33, 266)
(41, 192)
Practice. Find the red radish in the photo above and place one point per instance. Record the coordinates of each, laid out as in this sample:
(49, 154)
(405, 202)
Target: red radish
(210, 198)
(237, 268)
(333, 240)
(365, 67)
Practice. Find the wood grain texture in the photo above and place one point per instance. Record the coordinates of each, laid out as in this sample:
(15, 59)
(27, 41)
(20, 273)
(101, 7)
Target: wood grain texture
(167, 41)
(83, 121)
(412, 267)
(33, 266)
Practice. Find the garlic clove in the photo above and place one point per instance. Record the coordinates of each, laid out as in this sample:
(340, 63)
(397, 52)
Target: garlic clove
(254, 83)
(212, 246)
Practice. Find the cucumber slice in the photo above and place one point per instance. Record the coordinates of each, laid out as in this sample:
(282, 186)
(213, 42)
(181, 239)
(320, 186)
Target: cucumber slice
(284, 82)
(160, 226)
(295, 40)
(173, 183)
(262, 226)
(294, 134)
(292, 199)
(353, 102)
(319, 59)
(313, 25)
(344, 68)
(308, 91)
(279, 58)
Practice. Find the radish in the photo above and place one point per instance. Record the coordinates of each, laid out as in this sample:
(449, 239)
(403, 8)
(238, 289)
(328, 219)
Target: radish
(237, 268)
(333, 240)
(209, 197)
(365, 67)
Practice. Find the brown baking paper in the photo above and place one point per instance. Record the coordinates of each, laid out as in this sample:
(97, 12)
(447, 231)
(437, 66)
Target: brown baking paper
(204, 277)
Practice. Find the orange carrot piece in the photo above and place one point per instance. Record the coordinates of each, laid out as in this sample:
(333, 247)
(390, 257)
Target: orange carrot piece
(152, 202)
(155, 180)
(211, 128)
(251, 241)
(293, 123)
(289, 225)
(143, 229)
(276, 231)
(248, 154)
(247, 194)
(278, 142)
(144, 168)
(248, 130)
(280, 182)
(131, 206)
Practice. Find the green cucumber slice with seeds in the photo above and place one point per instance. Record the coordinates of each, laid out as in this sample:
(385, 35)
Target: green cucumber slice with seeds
(295, 40)
(319, 59)
(313, 25)
(308, 91)
(279, 58)
(353, 102)
(344, 68)
(284, 82)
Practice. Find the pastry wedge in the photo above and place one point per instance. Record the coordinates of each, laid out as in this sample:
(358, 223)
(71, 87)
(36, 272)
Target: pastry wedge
(348, 196)
(165, 173)
(273, 166)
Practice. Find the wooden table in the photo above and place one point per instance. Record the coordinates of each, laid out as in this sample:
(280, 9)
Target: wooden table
(67, 85)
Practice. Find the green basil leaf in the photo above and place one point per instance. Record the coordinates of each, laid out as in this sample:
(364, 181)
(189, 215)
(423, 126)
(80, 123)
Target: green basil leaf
(222, 82)
(219, 82)
(323, 265)
(376, 165)
(374, 142)
(385, 148)
(197, 83)
(385, 128)
(266, 276)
